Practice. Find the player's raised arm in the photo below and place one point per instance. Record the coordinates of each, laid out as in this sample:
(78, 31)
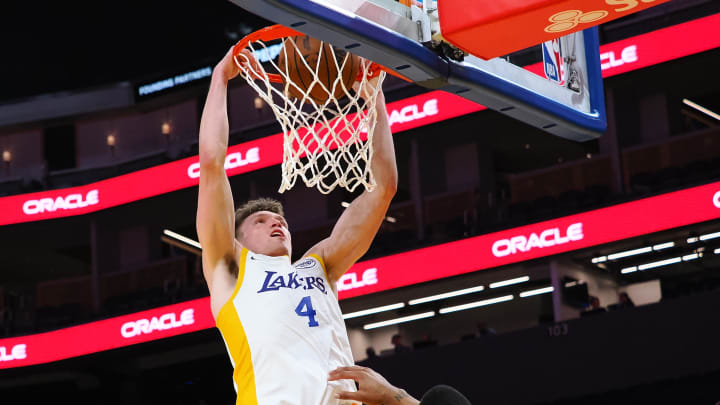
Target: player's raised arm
(215, 214)
(355, 230)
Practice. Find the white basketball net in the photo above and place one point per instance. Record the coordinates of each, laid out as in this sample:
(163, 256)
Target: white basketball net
(326, 144)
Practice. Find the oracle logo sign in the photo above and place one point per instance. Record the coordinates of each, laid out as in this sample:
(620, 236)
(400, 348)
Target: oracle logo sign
(350, 281)
(413, 112)
(69, 202)
(546, 238)
(716, 199)
(93, 337)
(163, 322)
(610, 59)
(17, 352)
(232, 161)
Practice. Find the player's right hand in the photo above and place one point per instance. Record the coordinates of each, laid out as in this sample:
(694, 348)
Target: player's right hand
(227, 68)
(247, 62)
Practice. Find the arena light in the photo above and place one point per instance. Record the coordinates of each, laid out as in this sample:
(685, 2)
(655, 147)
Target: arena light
(538, 291)
(692, 240)
(709, 236)
(628, 253)
(375, 310)
(345, 204)
(509, 282)
(446, 295)
(660, 263)
(666, 262)
(702, 109)
(600, 259)
(662, 246)
(181, 242)
(182, 238)
(717, 251)
(399, 320)
(476, 304)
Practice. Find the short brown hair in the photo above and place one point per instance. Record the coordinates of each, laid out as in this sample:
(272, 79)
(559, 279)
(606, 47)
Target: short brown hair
(253, 206)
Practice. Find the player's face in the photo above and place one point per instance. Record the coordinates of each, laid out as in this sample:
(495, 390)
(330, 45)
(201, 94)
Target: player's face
(266, 233)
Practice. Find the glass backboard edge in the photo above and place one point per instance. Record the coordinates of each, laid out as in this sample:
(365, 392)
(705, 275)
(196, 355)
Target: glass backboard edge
(426, 68)
(523, 104)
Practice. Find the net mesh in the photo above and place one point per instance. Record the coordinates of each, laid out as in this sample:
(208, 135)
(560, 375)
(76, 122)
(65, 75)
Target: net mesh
(326, 144)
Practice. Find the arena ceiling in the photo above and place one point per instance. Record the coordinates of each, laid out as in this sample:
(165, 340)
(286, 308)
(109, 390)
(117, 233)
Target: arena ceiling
(49, 46)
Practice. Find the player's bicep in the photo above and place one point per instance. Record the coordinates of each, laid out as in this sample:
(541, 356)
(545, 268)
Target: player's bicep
(353, 233)
(215, 218)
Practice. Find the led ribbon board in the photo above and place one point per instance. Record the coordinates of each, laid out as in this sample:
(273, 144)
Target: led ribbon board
(112, 333)
(406, 114)
(561, 235)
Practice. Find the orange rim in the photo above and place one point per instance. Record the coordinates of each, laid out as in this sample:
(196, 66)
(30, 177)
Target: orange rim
(278, 31)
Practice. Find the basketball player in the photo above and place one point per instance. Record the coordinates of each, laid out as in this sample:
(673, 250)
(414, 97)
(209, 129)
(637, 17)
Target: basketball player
(281, 322)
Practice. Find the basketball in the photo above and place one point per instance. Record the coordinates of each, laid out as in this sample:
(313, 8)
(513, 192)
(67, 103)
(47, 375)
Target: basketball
(303, 75)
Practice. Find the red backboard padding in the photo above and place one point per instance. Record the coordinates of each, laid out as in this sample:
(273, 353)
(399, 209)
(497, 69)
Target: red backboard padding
(494, 28)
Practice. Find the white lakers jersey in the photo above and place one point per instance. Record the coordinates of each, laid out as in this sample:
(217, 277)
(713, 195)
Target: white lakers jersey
(284, 332)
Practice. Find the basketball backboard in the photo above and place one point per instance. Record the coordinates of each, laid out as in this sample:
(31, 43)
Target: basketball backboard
(567, 101)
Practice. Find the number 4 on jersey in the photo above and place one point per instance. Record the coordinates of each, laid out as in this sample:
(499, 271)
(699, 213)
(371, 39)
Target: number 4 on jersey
(305, 308)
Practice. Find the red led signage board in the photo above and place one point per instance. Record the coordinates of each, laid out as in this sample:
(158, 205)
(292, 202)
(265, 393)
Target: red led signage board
(592, 228)
(528, 242)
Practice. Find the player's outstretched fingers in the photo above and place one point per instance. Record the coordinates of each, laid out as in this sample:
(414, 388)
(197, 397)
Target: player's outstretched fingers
(247, 62)
(373, 389)
(364, 376)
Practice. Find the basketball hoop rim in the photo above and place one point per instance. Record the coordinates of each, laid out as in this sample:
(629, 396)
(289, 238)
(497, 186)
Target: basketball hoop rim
(278, 31)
